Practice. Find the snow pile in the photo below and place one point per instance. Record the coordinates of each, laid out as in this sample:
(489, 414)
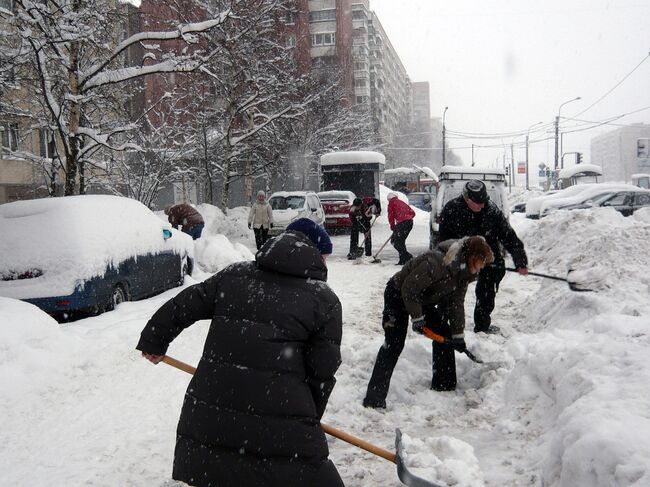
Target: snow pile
(75, 238)
(33, 349)
(234, 225)
(446, 459)
(580, 378)
(214, 252)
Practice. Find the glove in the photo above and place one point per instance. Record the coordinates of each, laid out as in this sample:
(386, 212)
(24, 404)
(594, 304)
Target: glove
(249, 226)
(522, 270)
(458, 344)
(418, 325)
(270, 225)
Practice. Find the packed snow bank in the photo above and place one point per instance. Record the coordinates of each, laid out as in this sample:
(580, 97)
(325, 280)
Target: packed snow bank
(214, 252)
(581, 373)
(33, 348)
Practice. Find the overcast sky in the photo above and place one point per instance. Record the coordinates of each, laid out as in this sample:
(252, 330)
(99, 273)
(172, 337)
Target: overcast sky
(504, 65)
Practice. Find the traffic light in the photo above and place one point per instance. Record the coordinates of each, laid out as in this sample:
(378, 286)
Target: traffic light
(578, 157)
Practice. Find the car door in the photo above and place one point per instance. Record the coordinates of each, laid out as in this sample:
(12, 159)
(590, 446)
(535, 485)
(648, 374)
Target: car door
(315, 209)
(621, 202)
(641, 200)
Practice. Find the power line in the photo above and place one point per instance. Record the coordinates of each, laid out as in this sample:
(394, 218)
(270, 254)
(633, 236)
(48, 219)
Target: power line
(615, 86)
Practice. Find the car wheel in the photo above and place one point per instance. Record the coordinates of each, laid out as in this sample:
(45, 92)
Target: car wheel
(119, 295)
(187, 267)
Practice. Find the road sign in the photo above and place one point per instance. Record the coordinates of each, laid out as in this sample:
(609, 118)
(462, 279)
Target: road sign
(521, 168)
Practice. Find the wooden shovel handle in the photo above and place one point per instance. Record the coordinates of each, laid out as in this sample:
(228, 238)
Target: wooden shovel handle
(341, 435)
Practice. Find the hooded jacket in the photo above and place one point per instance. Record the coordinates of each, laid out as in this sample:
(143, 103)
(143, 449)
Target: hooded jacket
(268, 364)
(457, 221)
(398, 212)
(434, 278)
(185, 215)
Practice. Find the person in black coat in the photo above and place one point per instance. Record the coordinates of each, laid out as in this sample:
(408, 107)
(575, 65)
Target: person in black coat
(472, 213)
(251, 414)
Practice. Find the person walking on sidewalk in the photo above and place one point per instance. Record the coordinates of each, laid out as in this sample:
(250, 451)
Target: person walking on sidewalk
(431, 289)
(260, 218)
(251, 414)
(472, 213)
(400, 219)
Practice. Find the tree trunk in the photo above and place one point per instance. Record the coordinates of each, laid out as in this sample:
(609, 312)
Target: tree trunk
(72, 155)
(206, 166)
(225, 195)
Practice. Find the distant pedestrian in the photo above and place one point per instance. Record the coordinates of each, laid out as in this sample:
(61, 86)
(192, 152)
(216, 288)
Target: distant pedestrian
(260, 219)
(360, 216)
(187, 217)
(400, 219)
(472, 213)
(251, 413)
(431, 289)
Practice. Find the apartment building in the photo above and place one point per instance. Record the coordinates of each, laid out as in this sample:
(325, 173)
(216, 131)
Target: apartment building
(348, 34)
(622, 152)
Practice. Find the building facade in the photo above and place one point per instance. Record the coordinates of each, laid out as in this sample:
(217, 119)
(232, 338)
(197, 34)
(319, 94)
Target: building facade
(622, 152)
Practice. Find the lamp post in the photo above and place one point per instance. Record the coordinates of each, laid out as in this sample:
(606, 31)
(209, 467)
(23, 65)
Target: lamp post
(527, 137)
(557, 129)
(443, 135)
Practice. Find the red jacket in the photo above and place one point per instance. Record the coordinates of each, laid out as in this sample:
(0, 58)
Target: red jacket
(398, 211)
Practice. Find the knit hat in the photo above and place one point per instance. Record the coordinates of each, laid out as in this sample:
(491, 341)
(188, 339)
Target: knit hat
(476, 191)
(314, 232)
(392, 195)
(261, 193)
(357, 202)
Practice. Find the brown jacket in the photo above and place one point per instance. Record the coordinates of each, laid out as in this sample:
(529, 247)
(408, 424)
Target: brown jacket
(185, 215)
(436, 279)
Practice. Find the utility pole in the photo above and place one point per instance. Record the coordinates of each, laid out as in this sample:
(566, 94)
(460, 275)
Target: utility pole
(557, 130)
(443, 136)
(472, 155)
(527, 162)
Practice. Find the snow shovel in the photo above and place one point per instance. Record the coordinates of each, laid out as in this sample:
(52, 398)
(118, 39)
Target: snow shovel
(403, 473)
(442, 340)
(375, 260)
(574, 286)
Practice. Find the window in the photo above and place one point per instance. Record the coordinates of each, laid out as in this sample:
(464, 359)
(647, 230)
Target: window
(360, 66)
(291, 40)
(326, 39)
(618, 200)
(7, 5)
(289, 18)
(46, 143)
(642, 200)
(360, 83)
(362, 99)
(9, 136)
(324, 62)
(322, 15)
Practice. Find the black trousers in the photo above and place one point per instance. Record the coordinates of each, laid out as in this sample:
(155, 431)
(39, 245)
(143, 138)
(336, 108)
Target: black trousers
(261, 236)
(354, 240)
(398, 240)
(395, 324)
(487, 286)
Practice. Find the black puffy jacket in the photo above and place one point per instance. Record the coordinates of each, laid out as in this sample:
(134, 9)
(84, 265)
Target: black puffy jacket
(457, 221)
(268, 364)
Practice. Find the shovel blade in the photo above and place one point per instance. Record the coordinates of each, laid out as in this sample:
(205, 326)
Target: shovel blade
(406, 477)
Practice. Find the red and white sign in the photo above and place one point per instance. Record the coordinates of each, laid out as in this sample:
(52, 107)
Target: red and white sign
(521, 168)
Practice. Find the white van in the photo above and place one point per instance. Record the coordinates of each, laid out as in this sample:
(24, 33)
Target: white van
(452, 180)
(289, 206)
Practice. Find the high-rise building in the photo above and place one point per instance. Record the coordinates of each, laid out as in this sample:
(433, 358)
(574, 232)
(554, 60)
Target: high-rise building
(421, 102)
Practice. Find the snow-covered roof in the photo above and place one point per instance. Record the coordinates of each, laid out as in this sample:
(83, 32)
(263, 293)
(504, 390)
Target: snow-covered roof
(401, 170)
(471, 170)
(336, 195)
(428, 171)
(352, 157)
(640, 175)
(285, 194)
(74, 238)
(569, 172)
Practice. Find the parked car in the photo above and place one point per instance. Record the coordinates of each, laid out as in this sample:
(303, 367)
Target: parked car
(587, 192)
(533, 205)
(420, 199)
(453, 179)
(75, 255)
(288, 206)
(624, 201)
(336, 205)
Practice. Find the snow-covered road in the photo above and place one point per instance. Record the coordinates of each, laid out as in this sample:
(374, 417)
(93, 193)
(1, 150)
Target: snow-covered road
(569, 408)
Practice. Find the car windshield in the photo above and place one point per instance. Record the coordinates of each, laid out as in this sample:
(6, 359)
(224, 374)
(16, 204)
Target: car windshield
(287, 202)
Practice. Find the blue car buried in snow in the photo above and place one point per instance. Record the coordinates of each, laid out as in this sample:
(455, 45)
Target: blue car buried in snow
(80, 255)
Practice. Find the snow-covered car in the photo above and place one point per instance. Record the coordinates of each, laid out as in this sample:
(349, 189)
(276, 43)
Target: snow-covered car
(533, 205)
(88, 253)
(587, 192)
(289, 206)
(420, 199)
(452, 179)
(336, 205)
(625, 200)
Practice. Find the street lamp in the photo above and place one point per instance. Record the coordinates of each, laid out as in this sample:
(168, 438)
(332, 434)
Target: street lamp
(557, 128)
(527, 136)
(443, 135)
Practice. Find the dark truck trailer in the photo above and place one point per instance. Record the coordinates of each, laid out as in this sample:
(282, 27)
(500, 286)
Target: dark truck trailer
(356, 171)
